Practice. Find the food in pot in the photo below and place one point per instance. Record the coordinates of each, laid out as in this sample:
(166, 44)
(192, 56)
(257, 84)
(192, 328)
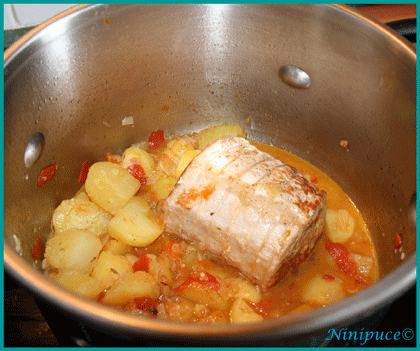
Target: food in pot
(247, 209)
(118, 240)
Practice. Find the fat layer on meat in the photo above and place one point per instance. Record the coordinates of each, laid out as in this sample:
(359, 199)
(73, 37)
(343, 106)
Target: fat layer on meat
(247, 209)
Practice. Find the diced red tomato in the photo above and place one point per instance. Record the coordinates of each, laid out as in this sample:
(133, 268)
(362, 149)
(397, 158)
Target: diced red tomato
(137, 172)
(359, 279)
(101, 296)
(145, 302)
(46, 174)
(37, 249)
(204, 279)
(156, 138)
(398, 240)
(314, 180)
(341, 257)
(264, 306)
(83, 172)
(142, 264)
(172, 249)
(327, 276)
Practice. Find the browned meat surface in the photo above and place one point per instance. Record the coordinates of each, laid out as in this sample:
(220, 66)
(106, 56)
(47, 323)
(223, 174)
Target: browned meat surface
(246, 209)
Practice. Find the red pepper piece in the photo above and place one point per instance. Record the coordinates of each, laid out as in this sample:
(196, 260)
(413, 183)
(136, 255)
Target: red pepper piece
(83, 172)
(327, 276)
(142, 264)
(46, 174)
(145, 302)
(101, 296)
(37, 249)
(398, 240)
(156, 138)
(341, 257)
(264, 306)
(208, 281)
(137, 172)
(172, 249)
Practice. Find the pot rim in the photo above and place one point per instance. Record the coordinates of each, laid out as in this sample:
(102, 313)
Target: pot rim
(350, 309)
(26, 38)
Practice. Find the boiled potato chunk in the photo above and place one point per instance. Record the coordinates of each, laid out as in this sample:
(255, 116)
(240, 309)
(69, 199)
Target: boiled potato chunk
(215, 317)
(138, 284)
(165, 166)
(162, 187)
(209, 135)
(73, 249)
(248, 291)
(141, 157)
(320, 291)
(200, 293)
(301, 309)
(80, 283)
(135, 224)
(80, 214)
(185, 160)
(81, 194)
(179, 146)
(364, 263)
(340, 225)
(241, 312)
(116, 247)
(110, 267)
(110, 186)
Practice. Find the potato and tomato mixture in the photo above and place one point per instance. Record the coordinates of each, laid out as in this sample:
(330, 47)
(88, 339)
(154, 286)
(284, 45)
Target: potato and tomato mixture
(108, 243)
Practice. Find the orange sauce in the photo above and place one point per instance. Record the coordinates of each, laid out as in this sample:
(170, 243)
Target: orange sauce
(286, 295)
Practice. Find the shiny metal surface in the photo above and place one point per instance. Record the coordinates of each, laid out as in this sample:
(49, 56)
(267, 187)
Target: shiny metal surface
(33, 149)
(75, 77)
(294, 77)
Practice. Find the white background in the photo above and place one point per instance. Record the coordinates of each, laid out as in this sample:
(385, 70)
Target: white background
(23, 15)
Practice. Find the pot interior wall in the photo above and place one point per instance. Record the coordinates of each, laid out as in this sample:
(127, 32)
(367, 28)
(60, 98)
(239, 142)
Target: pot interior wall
(77, 78)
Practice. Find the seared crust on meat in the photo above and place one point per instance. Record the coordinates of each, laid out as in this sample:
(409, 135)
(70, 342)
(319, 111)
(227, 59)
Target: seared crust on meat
(247, 209)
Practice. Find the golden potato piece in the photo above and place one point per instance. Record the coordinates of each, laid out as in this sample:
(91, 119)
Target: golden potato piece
(179, 146)
(185, 160)
(209, 135)
(81, 194)
(80, 214)
(364, 263)
(80, 283)
(241, 312)
(248, 291)
(110, 267)
(116, 247)
(340, 225)
(73, 249)
(138, 284)
(162, 187)
(320, 291)
(135, 224)
(110, 186)
(140, 156)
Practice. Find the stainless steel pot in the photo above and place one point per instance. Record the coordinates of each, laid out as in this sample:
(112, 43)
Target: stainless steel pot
(75, 77)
